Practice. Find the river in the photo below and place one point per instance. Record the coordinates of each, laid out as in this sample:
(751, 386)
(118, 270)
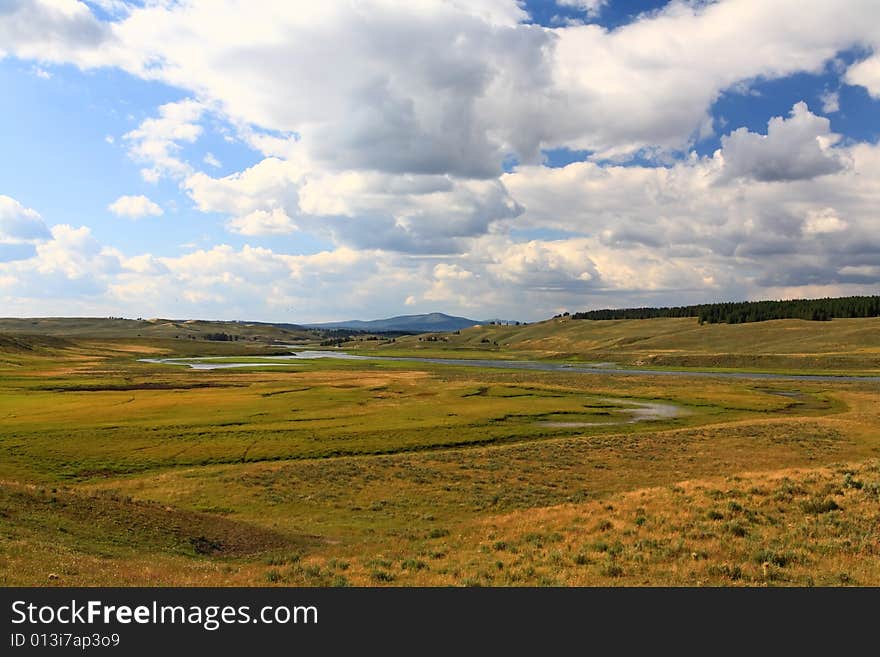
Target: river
(204, 363)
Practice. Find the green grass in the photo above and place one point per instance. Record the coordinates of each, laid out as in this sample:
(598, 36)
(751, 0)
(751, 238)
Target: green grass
(334, 472)
(81, 427)
(840, 345)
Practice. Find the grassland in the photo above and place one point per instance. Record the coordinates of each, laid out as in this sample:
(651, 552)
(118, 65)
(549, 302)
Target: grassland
(331, 472)
(841, 345)
(154, 328)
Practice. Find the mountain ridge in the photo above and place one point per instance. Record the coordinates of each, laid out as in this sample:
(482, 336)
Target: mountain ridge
(426, 322)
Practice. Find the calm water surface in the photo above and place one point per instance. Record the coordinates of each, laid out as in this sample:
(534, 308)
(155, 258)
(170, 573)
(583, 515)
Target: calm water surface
(204, 363)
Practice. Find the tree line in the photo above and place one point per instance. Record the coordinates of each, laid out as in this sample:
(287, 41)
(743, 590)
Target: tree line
(741, 312)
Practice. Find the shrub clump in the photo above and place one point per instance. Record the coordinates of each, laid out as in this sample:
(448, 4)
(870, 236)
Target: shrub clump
(817, 506)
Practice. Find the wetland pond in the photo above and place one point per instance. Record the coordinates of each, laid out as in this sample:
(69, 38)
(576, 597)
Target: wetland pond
(598, 412)
(227, 362)
(623, 411)
(602, 412)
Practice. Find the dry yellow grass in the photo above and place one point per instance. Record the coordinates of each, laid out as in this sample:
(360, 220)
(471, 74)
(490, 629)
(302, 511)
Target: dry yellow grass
(798, 526)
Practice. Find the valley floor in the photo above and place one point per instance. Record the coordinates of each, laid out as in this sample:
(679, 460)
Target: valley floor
(118, 472)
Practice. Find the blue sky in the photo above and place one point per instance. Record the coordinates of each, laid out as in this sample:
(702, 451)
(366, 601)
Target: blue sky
(608, 14)
(69, 116)
(489, 158)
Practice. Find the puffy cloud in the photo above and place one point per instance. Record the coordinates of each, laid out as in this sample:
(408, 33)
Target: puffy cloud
(18, 224)
(637, 234)
(52, 30)
(861, 273)
(256, 282)
(547, 265)
(269, 184)
(689, 227)
(223, 264)
(156, 141)
(494, 12)
(73, 272)
(452, 284)
(261, 200)
(75, 253)
(797, 148)
(263, 222)
(383, 126)
(417, 214)
(453, 87)
(135, 207)
(65, 274)
(412, 213)
(823, 221)
(830, 102)
(143, 264)
(649, 84)
(425, 117)
(466, 89)
(866, 73)
(704, 241)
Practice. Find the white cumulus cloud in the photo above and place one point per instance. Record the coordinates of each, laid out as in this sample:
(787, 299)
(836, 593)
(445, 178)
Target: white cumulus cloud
(866, 73)
(19, 224)
(446, 86)
(135, 207)
(797, 148)
(382, 127)
(156, 141)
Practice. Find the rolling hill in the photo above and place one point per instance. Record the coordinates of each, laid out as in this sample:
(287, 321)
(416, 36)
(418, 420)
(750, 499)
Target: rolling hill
(839, 344)
(118, 327)
(430, 322)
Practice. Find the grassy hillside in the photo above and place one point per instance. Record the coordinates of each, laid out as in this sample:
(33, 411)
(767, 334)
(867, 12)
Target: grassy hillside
(840, 344)
(30, 344)
(104, 327)
(845, 345)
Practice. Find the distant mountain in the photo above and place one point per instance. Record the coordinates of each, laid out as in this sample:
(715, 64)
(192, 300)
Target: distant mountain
(427, 323)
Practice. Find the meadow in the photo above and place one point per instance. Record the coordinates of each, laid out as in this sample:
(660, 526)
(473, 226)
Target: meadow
(791, 345)
(331, 472)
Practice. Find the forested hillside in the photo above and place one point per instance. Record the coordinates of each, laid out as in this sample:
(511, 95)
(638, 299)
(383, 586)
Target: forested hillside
(751, 311)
